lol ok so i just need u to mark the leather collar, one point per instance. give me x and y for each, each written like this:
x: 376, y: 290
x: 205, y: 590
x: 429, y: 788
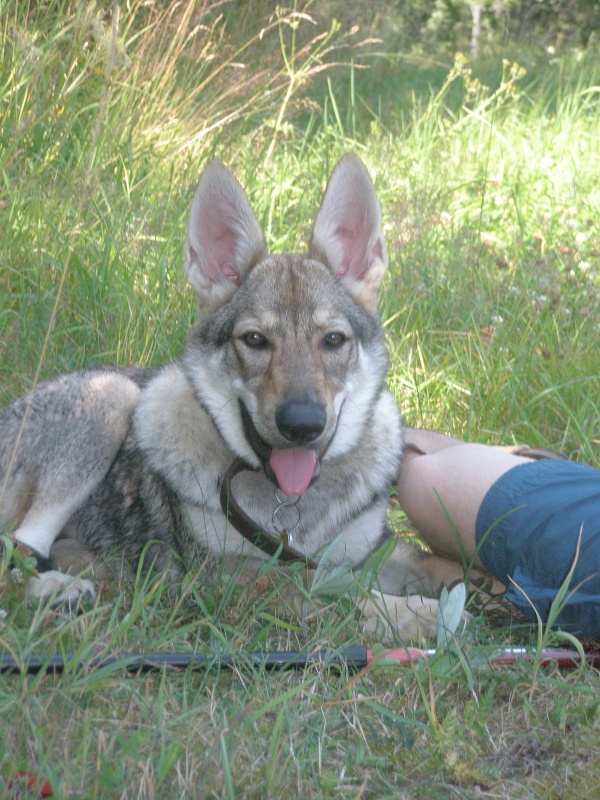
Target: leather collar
x: 270, y: 543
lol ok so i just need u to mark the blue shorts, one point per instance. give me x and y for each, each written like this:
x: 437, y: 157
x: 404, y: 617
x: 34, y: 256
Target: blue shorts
x: 528, y: 526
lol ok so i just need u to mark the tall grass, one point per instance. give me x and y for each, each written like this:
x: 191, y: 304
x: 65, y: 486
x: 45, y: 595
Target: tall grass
x: 107, y: 119
x: 496, y: 258
x: 488, y: 185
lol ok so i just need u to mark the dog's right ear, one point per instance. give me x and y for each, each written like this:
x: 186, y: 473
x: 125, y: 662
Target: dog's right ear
x: 224, y: 240
x: 348, y: 234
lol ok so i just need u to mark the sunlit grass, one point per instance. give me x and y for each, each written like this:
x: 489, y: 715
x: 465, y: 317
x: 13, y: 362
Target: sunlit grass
x: 491, y: 207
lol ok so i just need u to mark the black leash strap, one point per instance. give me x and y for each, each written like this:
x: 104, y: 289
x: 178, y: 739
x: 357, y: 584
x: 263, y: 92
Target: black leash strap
x: 354, y: 656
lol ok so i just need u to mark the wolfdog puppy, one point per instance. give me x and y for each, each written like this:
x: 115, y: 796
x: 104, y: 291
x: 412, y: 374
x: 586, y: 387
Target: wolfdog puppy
x: 284, y: 371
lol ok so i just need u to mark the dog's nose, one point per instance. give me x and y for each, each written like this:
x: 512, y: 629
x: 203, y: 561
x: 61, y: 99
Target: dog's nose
x: 301, y: 421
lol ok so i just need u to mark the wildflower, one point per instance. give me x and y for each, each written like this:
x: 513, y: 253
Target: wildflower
x: 16, y: 575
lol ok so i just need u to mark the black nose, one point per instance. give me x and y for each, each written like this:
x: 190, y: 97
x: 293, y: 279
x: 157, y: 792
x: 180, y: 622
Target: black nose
x: 301, y: 421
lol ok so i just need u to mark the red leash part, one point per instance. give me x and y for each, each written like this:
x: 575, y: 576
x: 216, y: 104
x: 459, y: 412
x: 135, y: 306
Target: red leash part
x: 404, y: 656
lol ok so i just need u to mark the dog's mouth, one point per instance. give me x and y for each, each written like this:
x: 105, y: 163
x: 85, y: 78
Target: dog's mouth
x: 292, y: 469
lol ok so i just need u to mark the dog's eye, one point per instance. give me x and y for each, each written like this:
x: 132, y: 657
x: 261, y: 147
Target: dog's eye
x: 254, y: 339
x: 334, y: 340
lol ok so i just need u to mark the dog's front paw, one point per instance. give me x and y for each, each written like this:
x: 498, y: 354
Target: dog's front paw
x: 390, y: 618
x: 60, y: 589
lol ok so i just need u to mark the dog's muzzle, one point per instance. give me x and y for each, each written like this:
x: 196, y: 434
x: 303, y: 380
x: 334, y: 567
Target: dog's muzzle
x: 292, y: 469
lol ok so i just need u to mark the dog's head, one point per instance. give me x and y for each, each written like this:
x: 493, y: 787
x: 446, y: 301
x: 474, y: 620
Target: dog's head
x: 289, y: 357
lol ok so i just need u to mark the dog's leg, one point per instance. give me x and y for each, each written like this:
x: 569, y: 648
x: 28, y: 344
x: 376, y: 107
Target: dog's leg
x: 44, y: 521
x: 37, y: 533
x: 58, y: 444
x: 412, y: 571
x: 391, y: 619
x: 388, y: 618
x: 419, y: 571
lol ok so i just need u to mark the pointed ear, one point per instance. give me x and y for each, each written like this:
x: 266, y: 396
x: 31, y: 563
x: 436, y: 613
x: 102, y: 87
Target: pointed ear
x: 224, y: 240
x: 347, y: 234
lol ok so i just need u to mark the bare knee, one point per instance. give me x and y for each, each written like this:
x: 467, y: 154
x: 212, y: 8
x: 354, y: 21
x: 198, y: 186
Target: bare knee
x: 440, y: 503
x: 442, y: 491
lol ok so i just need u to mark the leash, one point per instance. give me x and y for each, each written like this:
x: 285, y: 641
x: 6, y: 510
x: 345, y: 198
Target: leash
x: 270, y: 543
x: 354, y: 658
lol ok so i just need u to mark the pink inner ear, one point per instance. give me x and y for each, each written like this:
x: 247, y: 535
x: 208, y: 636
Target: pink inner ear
x: 215, y: 270
x: 355, y: 260
x: 219, y: 241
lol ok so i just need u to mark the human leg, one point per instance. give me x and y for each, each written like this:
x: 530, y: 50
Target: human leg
x: 442, y: 485
x: 529, y: 521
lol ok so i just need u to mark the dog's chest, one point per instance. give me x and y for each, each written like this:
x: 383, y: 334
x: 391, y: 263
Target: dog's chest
x: 261, y: 501
x: 309, y: 523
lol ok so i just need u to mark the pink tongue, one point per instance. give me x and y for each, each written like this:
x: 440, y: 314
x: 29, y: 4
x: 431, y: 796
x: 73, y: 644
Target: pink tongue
x: 293, y: 469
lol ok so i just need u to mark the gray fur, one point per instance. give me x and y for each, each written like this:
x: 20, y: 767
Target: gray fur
x: 132, y: 460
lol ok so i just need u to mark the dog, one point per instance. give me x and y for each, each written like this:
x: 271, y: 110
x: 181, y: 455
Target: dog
x: 284, y: 371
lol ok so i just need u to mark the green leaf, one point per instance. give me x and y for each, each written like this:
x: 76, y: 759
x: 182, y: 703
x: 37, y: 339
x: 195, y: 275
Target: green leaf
x: 452, y: 605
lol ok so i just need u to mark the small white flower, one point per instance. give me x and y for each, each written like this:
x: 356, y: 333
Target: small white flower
x: 584, y: 265
x: 16, y: 575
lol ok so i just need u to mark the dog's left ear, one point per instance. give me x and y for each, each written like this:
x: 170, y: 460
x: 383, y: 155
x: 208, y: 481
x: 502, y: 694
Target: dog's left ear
x: 347, y: 234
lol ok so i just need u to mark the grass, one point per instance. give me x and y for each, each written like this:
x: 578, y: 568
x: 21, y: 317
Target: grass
x: 491, y: 205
